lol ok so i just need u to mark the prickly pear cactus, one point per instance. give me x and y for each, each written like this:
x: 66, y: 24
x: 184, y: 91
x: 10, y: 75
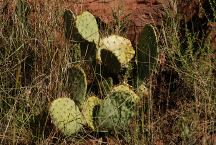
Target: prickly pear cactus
x: 117, y: 109
x: 115, y: 52
x: 87, y: 27
x: 69, y: 20
x: 66, y: 116
x: 88, y: 110
x: 76, y: 84
x: 147, y: 52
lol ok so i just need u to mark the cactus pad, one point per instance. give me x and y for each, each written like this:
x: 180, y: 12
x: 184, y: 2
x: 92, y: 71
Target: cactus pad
x: 117, y: 109
x: 147, y: 52
x: 116, y: 51
x: 68, y: 23
x: 66, y: 116
x: 88, y: 110
x: 76, y: 84
x: 87, y: 27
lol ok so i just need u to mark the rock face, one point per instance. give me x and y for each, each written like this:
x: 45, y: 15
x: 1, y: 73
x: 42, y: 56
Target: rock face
x: 136, y: 12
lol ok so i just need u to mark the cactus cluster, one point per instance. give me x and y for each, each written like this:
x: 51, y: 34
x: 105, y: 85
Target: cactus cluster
x: 110, y: 50
x: 70, y: 115
x: 115, y: 111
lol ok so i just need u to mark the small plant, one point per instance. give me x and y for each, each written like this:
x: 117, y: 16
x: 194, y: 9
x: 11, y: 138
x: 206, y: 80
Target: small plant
x: 22, y: 10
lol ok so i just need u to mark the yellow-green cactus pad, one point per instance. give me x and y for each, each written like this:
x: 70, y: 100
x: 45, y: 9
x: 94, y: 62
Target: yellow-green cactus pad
x: 125, y: 89
x: 66, y: 116
x: 88, y: 110
x: 120, y: 47
x: 115, y: 52
x: 87, y: 27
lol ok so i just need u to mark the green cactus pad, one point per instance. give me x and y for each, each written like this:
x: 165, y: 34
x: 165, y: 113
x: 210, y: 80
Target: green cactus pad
x: 147, y: 52
x: 115, y: 51
x: 88, y: 110
x: 117, y: 109
x: 87, y: 27
x: 69, y: 19
x: 66, y: 116
x: 76, y: 84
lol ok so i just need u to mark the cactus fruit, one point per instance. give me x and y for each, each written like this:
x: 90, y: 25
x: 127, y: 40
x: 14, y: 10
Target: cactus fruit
x: 66, y: 116
x: 147, y: 52
x: 117, y: 109
x: 115, y: 51
x: 88, y: 110
x: 76, y: 84
x: 69, y: 19
x: 87, y: 27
